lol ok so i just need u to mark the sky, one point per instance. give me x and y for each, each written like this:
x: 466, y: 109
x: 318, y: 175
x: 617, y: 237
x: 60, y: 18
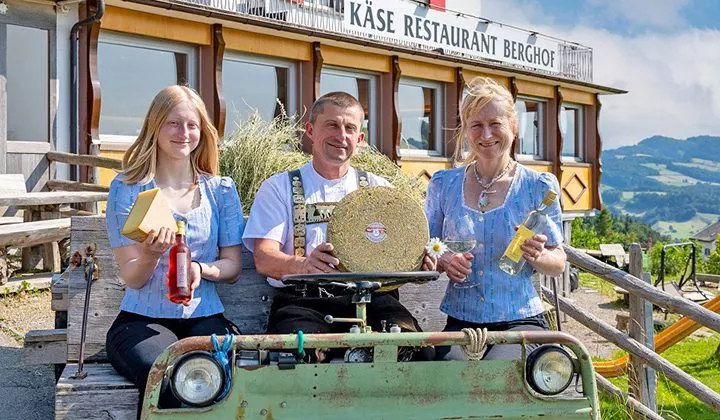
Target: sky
x: 666, y: 53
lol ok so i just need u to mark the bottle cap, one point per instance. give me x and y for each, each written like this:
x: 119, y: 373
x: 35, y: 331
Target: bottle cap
x: 180, y: 227
x: 550, y: 196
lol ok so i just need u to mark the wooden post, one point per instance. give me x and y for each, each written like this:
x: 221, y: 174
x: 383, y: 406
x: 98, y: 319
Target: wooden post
x: 650, y: 343
x: 637, y: 375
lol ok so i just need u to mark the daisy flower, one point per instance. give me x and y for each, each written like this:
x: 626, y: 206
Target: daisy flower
x: 435, y: 248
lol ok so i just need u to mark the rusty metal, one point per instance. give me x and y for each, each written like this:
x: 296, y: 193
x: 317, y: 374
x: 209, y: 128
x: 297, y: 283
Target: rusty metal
x: 91, y: 273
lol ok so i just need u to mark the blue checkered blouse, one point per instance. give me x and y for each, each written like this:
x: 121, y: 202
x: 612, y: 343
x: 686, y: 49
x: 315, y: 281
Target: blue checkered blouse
x: 499, y: 296
x: 217, y: 222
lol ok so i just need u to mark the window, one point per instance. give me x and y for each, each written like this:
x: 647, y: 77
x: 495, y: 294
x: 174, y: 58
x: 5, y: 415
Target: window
x: 28, y: 84
x: 531, y: 128
x: 571, y: 127
x: 420, y: 105
x: 706, y: 252
x: 132, y: 71
x: 360, y: 85
x: 253, y: 82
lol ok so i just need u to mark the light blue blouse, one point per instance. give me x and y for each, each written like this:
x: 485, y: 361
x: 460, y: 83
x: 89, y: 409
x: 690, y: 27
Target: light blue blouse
x: 498, y: 296
x: 217, y: 222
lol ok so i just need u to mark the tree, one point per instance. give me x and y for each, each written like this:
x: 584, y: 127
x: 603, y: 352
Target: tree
x: 604, y: 222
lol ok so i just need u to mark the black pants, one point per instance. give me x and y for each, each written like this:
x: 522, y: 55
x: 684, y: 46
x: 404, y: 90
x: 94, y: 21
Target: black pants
x: 493, y: 352
x: 135, y: 341
x: 290, y: 313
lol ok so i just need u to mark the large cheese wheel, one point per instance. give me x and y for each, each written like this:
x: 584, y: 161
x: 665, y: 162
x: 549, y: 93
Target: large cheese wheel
x: 378, y: 229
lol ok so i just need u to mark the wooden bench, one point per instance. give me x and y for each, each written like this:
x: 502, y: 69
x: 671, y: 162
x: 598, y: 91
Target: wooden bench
x: 104, y: 393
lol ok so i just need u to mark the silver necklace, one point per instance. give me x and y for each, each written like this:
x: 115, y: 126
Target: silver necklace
x: 484, y: 199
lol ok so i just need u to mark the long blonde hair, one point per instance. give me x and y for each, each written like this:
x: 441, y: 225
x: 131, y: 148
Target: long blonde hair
x: 140, y: 160
x: 482, y: 91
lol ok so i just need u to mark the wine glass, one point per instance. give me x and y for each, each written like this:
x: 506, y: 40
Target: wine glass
x: 459, y: 237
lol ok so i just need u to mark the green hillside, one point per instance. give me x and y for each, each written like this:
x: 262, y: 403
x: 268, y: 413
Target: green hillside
x: 671, y: 184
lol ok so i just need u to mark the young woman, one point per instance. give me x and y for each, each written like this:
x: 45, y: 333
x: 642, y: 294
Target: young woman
x: 495, y: 193
x: 176, y: 151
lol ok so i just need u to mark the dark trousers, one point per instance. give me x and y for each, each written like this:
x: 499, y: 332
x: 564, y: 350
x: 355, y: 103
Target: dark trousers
x: 135, y: 341
x: 496, y: 351
x: 290, y: 313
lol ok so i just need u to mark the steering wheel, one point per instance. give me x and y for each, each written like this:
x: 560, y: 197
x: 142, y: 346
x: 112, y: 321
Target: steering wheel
x: 354, y: 282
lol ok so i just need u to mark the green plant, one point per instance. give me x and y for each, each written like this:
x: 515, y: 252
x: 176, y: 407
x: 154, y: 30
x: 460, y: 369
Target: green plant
x: 259, y: 149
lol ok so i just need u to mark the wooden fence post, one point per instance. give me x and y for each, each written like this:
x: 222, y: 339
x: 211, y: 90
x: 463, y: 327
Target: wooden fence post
x: 637, y: 375
x: 650, y: 343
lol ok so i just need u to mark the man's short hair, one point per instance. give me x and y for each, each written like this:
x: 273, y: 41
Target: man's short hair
x: 339, y: 99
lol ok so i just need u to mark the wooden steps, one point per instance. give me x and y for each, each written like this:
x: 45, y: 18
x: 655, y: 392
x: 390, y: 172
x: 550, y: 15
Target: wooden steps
x: 103, y: 394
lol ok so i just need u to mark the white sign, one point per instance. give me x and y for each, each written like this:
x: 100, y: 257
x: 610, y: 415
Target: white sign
x: 407, y: 21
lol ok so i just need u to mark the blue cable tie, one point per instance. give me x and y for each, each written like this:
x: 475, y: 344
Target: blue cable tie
x: 301, y: 342
x: 220, y: 354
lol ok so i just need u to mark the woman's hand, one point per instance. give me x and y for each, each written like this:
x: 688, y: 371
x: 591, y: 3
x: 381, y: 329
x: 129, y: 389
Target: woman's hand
x: 194, y: 278
x: 430, y: 263
x: 533, y: 248
x: 157, y: 243
x: 457, y: 266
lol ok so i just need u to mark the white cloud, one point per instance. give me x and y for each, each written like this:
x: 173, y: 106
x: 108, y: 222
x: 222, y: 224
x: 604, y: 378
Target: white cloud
x: 671, y: 77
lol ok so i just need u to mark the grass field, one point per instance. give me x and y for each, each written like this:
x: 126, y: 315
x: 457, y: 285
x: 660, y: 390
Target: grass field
x: 672, y: 178
x: 684, y: 230
x: 696, y: 356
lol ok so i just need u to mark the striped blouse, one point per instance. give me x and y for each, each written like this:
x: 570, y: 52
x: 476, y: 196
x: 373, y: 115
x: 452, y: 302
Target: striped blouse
x: 498, y: 296
x: 217, y: 222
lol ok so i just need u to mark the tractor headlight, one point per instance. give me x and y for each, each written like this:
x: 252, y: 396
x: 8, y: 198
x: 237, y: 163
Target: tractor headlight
x: 549, y: 369
x: 197, y: 379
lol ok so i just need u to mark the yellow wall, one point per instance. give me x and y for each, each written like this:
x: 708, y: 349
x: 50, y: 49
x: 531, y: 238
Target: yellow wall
x: 355, y: 59
x: 574, y: 178
x: 468, y: 75
x: 576, y: 96
x: 422, y: 70
x: 156, y: 26
x: 423, y: 170
x: 256, y: 43
x: 538, y: 167
x: 526, y: 87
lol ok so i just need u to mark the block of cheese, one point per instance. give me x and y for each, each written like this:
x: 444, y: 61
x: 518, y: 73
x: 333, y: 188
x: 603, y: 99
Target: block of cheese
x: 150, y: 211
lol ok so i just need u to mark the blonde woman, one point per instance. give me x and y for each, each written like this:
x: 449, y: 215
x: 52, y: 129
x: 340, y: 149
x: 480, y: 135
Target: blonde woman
x: 496, y: 193
x: 176, y: 151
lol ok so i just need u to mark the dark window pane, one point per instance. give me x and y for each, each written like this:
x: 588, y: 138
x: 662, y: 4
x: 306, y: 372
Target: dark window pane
x: 530, y: 127
x: 27, y: 84
x: 569, y: 130
x: 125, y: 103
x: 418, y: 117
x: 248, y: 86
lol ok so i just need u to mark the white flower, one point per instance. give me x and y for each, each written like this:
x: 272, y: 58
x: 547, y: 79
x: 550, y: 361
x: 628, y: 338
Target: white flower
x: 435, y: 248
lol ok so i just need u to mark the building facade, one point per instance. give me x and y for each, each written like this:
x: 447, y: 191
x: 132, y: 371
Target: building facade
x: 408, y: 63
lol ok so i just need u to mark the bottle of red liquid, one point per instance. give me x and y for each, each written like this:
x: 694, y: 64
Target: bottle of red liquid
x: 179, y: 266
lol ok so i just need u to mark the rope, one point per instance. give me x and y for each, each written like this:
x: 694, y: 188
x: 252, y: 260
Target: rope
x: 220, y: 353
x: 477, y: 337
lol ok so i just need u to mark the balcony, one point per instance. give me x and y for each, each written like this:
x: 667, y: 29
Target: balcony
x: 418, y: 28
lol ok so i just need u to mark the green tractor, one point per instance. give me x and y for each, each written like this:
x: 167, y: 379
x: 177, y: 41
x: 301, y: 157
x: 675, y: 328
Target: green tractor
x: 265, y: 377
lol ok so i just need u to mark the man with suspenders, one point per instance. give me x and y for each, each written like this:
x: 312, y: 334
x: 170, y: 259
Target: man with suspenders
x: 286, y: 229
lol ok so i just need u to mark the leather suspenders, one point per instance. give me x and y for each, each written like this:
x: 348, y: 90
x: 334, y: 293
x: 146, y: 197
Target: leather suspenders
x: 304, y: 214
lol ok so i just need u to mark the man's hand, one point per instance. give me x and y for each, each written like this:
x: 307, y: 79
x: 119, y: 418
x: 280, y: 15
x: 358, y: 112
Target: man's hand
x: 457, y: 266
x: 321, y: 260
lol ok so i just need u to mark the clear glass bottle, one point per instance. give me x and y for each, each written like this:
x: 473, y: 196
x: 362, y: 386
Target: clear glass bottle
x: 178, y: 281
x: 535, y: 223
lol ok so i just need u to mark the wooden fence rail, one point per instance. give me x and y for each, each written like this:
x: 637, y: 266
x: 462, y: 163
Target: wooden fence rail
x: 86, y: 160
x: 641, y: 398
x: 635, y: 286
x: 617, y: 337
